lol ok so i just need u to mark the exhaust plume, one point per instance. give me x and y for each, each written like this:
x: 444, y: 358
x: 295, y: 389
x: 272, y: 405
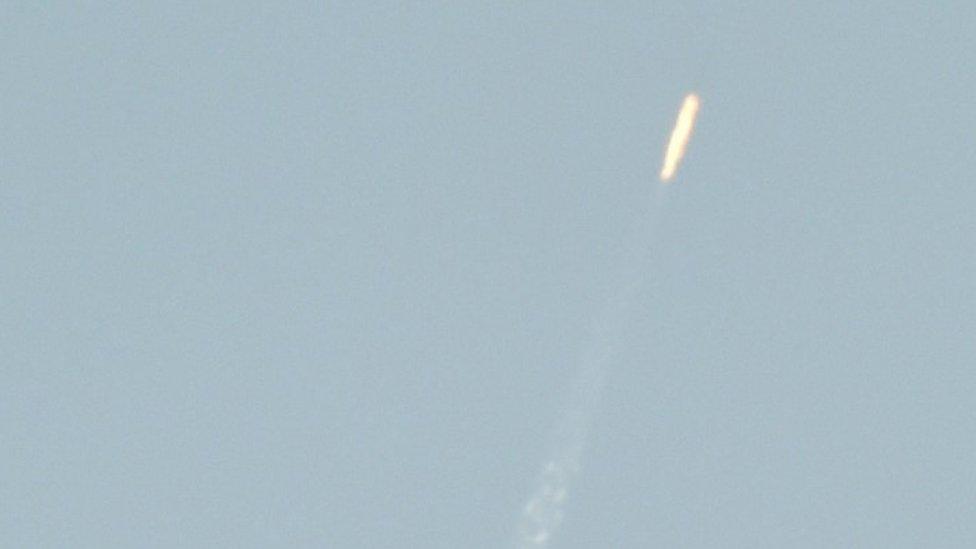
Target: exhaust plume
x: 543, y: 512
x: 680, y: 136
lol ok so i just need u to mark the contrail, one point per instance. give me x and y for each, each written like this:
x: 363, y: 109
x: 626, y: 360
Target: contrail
x: 680, y: 136
x: 543, y: 512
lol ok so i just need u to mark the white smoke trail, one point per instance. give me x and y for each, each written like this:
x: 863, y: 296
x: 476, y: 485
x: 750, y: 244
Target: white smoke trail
x: 543, y: 512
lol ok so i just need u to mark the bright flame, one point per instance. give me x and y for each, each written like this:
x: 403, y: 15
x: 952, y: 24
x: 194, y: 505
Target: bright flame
x: 680, y: 136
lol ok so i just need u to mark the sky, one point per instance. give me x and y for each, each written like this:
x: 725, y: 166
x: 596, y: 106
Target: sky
x: 304, y: 274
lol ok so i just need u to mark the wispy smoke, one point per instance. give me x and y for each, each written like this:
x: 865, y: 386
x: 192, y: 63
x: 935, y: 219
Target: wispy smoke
x: 543, y: 512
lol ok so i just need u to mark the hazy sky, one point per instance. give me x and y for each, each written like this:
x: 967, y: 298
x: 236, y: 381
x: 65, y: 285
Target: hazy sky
x: 284, y: 275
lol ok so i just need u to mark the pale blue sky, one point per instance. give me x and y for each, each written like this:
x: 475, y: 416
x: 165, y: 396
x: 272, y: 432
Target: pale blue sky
x: 280, y: 275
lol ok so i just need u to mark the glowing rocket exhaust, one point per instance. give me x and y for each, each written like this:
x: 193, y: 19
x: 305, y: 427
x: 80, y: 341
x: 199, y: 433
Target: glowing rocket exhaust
x: 680, y: 136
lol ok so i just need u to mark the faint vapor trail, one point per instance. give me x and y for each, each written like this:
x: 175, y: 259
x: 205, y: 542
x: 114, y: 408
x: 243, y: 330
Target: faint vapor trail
x: 543, y: 512
x: 680, y: 136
